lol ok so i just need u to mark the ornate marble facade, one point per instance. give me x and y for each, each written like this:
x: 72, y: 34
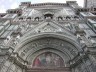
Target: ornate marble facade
x: 48, y: 37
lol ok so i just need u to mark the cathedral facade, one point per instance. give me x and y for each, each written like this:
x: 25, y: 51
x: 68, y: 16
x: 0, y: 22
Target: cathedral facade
x: 48, y: 37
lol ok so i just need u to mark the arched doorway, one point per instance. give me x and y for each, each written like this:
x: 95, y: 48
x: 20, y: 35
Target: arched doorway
x: 47, y: 46
x: 48, y: 62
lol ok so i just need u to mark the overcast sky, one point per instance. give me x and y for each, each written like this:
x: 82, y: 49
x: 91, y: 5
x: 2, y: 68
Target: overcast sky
x: 11, y: 4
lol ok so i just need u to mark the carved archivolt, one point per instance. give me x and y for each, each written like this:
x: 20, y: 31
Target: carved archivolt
x: 63, y: 48
x: 35, y: 45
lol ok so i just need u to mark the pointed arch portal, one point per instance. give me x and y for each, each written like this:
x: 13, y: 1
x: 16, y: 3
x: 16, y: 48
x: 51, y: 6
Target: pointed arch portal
x: 40, y: 49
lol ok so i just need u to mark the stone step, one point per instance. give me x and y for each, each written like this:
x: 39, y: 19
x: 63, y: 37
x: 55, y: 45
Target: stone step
x: 48, y: 70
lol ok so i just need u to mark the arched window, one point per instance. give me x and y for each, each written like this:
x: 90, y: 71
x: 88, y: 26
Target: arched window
x: 68, y: 17
x: 76, y: 17
x: 29, y: 18
x: 36, y: 18
x: 60, y: 18
x: 48, y: 16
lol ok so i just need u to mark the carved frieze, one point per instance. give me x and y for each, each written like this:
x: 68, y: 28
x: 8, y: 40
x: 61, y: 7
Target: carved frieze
x: 49, y: 42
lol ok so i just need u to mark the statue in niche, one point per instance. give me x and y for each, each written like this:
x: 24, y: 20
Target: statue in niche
x: 37, y: 62
x: 48, y: 59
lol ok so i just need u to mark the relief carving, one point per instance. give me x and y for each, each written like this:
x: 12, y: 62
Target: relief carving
x: 48, y: 28
x: 51, y: 42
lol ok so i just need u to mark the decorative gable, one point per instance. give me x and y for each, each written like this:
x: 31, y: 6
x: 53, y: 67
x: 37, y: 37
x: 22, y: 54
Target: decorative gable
x: 48, y: 27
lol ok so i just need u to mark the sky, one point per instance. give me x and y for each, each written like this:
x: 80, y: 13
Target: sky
x: 11, y: 4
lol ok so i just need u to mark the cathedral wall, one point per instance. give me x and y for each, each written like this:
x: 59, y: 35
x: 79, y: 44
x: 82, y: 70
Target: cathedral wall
x: 66, y: 32
x: 86, y: 65
x: 8, y: 66
x: 2, y: 60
